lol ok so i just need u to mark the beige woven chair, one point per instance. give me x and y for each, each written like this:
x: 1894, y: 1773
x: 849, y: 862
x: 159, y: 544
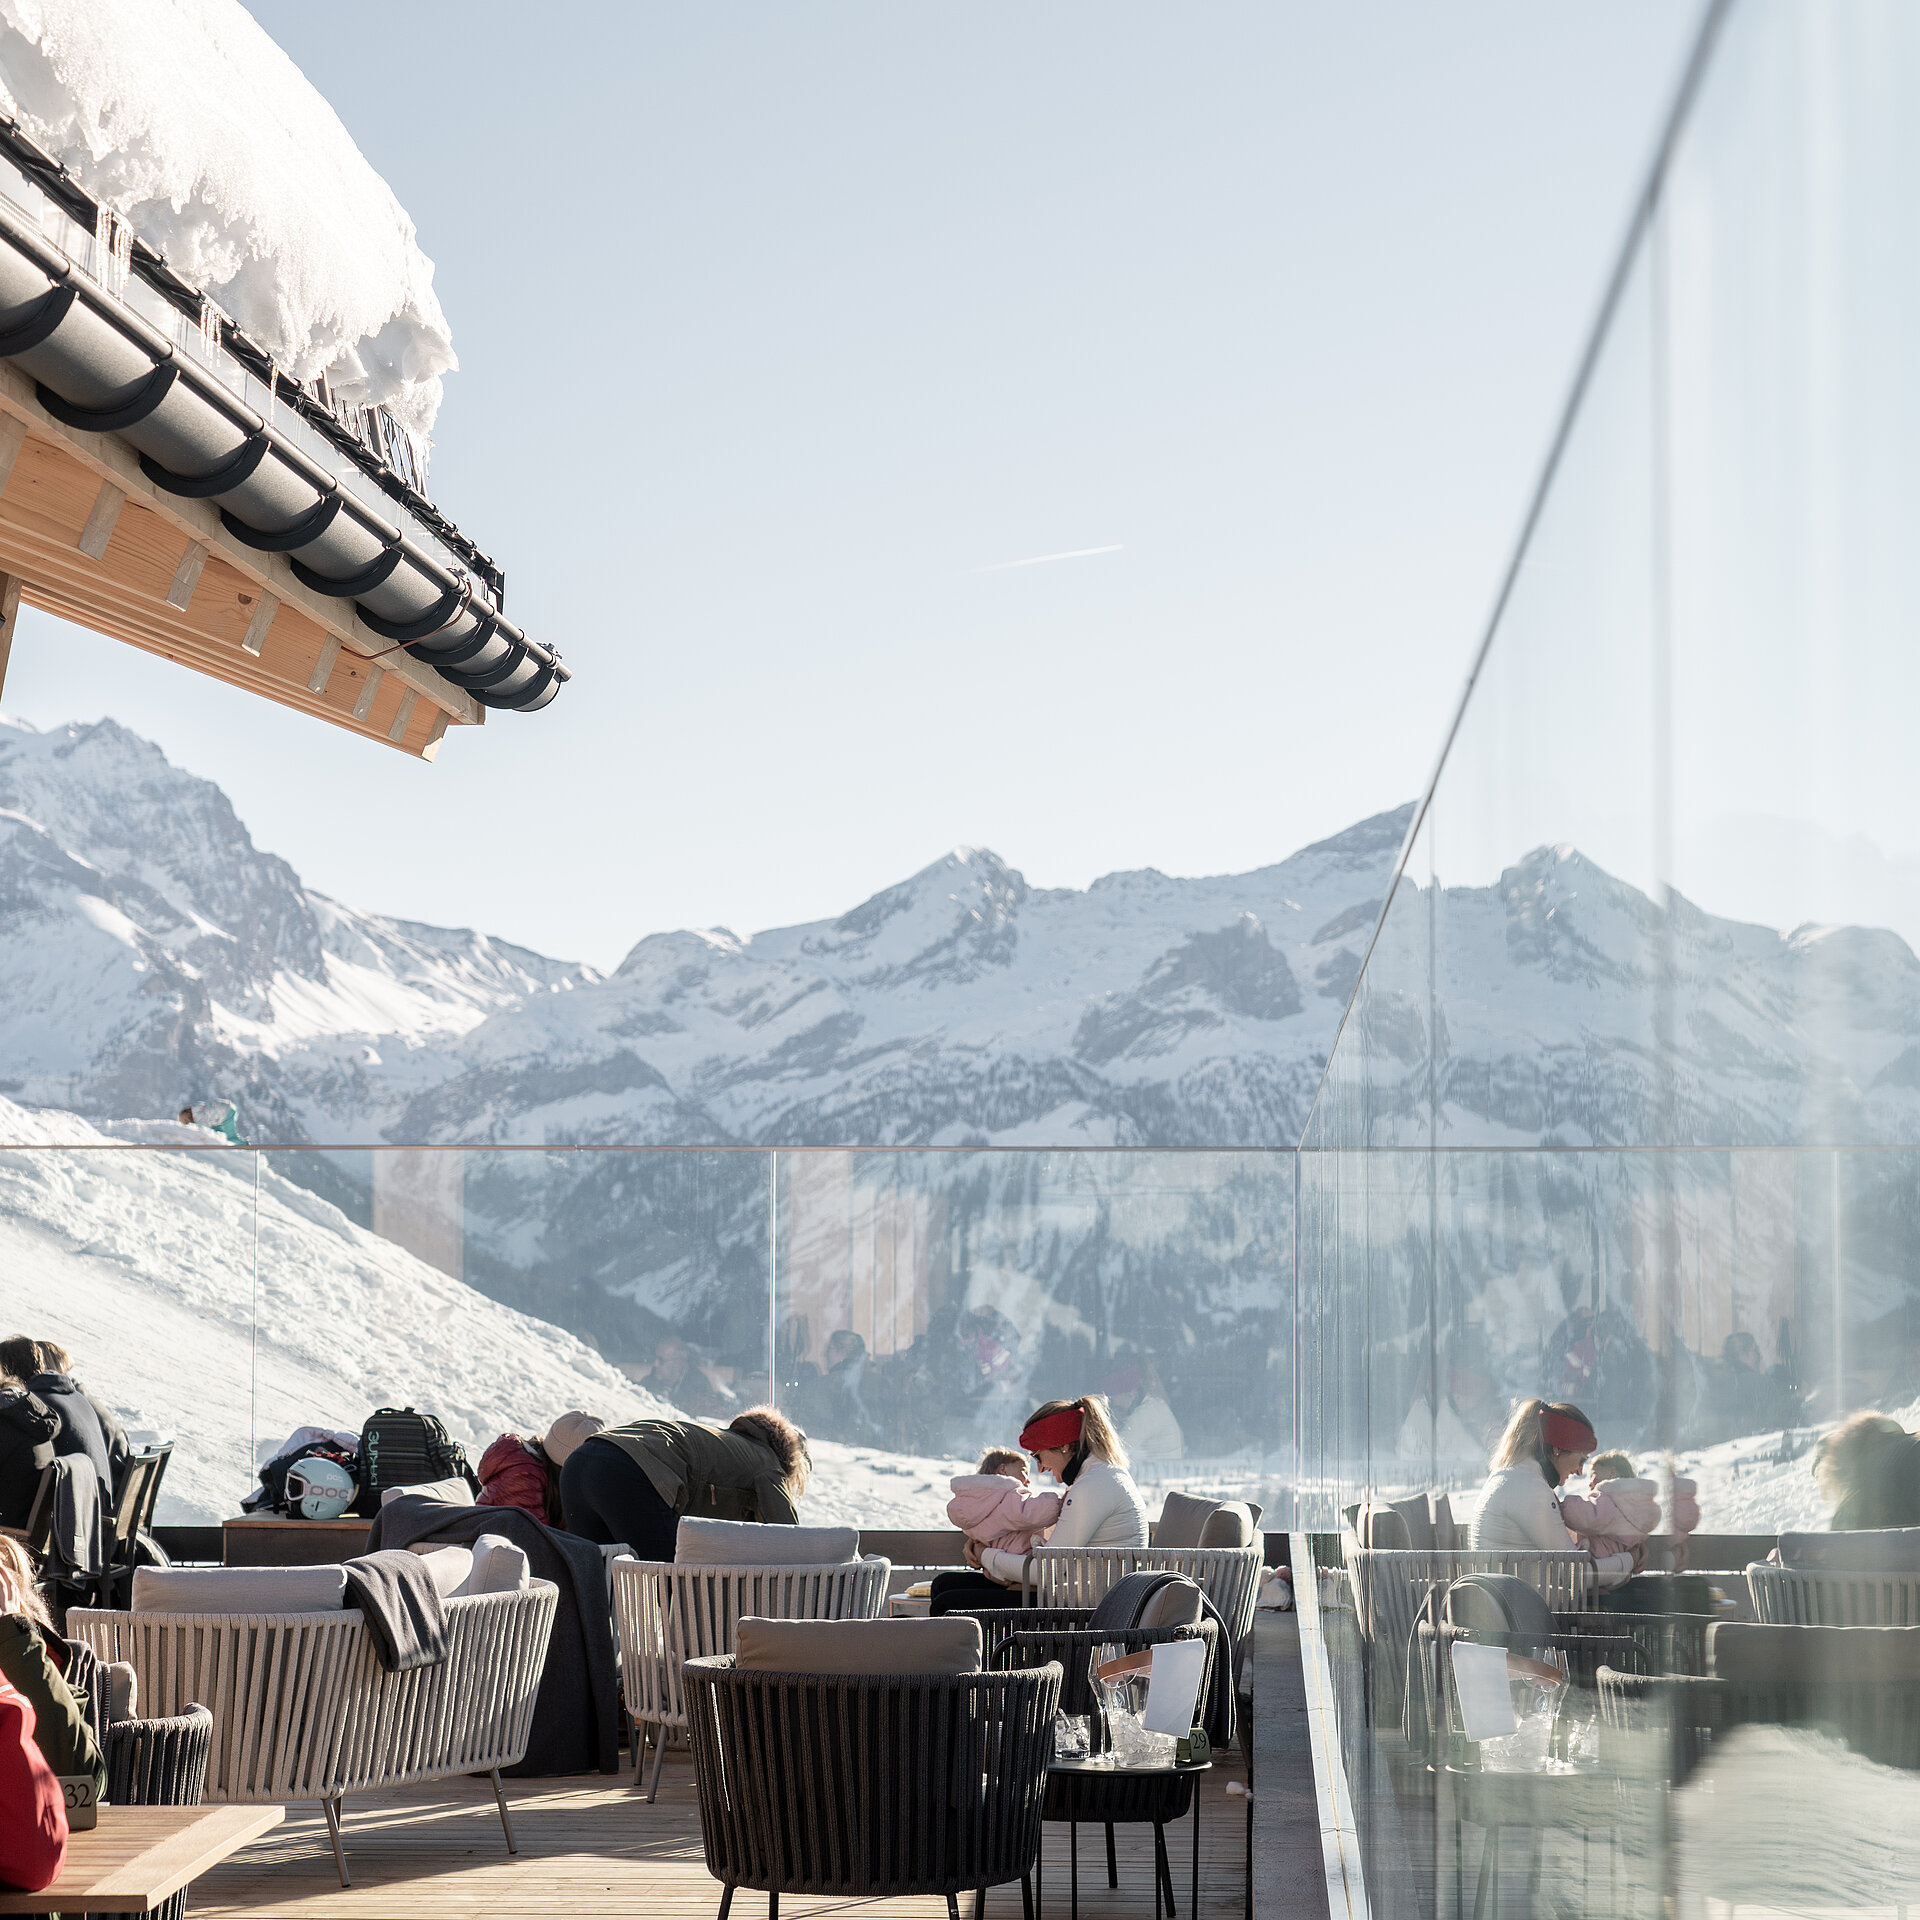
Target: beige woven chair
x: 1080, y: 1576
x: 666, y: 1614
x: 303, y: 1710
x: 1824, y: 1597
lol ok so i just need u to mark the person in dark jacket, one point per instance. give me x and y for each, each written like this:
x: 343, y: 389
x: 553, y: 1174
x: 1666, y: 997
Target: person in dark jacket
x: 85, y: 1426
x: 27, y: 1430
x: 55, y: 1359
x: 635, y: 1483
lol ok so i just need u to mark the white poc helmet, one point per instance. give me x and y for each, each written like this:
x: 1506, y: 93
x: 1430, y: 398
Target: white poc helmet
x: 319, y: 1488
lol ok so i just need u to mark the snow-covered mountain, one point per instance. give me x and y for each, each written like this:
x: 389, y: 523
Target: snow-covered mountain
x: 154, y: 956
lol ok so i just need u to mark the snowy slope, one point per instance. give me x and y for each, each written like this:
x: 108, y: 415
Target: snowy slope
x: 144, y: 1266
x: 150, y: 1268
x: 184, y: 116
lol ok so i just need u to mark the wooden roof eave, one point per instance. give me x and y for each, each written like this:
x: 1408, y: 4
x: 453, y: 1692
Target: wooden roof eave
x: 91, y: 539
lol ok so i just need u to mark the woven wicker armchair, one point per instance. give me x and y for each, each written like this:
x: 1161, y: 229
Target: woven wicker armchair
x: 1827, y: 1597
x: 870, y: 1786
x: 159, y: 1763
x: 1079, y: 1576
x: 666, y: 1614
x: 303, y: 1710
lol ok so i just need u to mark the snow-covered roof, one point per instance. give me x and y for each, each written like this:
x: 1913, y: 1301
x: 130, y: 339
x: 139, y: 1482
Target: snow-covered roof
x: 277, y: 535
x: 186, y: 119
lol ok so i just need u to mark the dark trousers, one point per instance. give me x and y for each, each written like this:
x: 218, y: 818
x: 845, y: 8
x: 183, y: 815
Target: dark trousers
x: 968, y: 1587
x: 607, y: 1497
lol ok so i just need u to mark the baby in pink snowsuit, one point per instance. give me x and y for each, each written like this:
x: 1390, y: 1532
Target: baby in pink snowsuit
x: 993, y: 1508
x: 1623, y: 1511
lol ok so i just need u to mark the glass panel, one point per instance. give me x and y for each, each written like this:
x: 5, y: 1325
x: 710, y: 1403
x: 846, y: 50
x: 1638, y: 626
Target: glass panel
x: 139, y: 1264
x: 926, y: 1303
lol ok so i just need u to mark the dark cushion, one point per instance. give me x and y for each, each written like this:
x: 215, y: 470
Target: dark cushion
x: 1418, y: 1515
x: 1381, y: 1527
x: 951, y: 1644
x: 1228, y: 1525
x: 1878, y: 1550
x: 1181, y: 1520
x: 1794, y: 1656
x: 1174, y: 1603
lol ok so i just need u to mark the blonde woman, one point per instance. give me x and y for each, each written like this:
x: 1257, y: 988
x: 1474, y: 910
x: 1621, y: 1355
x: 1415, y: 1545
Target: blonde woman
x: 1546, y: 1442
x: 32, y: 1659
x: 1073, y: 1440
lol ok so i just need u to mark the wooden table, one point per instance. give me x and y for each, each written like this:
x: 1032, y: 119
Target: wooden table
x: 138, y: 1856
x: 291, y: 1543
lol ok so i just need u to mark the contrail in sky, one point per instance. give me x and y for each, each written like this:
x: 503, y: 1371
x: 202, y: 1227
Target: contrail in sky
x: 1042, y: 559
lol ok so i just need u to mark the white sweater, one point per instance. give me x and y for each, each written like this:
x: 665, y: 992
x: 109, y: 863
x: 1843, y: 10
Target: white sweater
x: 1518, y: 1514
x: 1103, y: 1508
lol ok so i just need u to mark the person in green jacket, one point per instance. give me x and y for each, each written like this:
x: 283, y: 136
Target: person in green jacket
x: 31, y: 1657
x: 635, y: 1483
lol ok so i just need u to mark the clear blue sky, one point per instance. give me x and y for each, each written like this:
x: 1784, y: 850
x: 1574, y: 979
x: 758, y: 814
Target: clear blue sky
x: 782, y: 328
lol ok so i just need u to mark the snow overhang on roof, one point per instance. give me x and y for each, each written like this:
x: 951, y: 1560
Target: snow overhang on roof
x: 162, y: 482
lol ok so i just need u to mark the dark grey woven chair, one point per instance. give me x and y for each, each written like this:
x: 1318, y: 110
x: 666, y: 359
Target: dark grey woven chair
x: 160, y: 1763
x: 1032, y: 1636
x: 868, y: 1786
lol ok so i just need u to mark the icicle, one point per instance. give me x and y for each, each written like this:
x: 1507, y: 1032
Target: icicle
x: 209, y: 330
x: 112, y: 250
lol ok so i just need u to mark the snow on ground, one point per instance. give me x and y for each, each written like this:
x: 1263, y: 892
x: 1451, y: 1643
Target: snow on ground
x: 186, y: 117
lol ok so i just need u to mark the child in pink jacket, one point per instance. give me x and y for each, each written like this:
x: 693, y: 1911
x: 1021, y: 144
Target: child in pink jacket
x: 1623, y: 1511
x: 993, y: 1507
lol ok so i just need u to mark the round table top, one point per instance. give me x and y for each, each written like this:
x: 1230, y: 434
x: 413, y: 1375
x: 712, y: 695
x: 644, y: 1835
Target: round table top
x: 1099, y: 1766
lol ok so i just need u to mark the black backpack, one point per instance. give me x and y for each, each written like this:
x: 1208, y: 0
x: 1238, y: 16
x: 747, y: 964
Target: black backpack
x: 401, y: 1447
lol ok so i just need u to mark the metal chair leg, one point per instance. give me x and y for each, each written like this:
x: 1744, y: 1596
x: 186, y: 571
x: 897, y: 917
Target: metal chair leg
x: 331, y: 1808
x: 500, y: 1800
x: 1073, y: 1865
x: 1113, y: 1866
x: 979, y: 1903
x: 1026, y: 1898
x: 726, y: 1900
x: 773, y: 1904
x: 659, y: 1761
x: 953, y: 1906
x: 1193, y: 1906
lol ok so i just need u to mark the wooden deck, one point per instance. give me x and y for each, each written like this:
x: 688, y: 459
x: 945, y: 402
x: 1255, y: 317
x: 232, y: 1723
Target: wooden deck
x: 592, y: 1845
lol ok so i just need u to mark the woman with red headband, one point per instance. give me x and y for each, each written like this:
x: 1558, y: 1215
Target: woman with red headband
x: 1074, y: 1441
x: 1546, y: 1442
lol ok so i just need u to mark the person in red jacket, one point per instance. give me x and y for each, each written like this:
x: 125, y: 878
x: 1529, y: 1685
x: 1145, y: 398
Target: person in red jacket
x: 33, y: 1810
x: 526, y: 1473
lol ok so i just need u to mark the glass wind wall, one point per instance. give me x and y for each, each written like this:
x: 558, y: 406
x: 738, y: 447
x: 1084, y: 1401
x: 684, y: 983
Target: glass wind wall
x: 908, y: 1309
x: 1625, y: 1111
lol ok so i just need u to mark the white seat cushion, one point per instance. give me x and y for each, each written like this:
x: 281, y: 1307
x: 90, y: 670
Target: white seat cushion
x: 455, y: 1492
x: 742, y: 1543
x: 450, y: 1567
x: 239, y: 1589
x: 499, y: 1566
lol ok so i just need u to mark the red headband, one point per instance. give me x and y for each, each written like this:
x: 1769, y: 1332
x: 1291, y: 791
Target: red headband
x: 1060, y: 1429
x: 1564, y: 1434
